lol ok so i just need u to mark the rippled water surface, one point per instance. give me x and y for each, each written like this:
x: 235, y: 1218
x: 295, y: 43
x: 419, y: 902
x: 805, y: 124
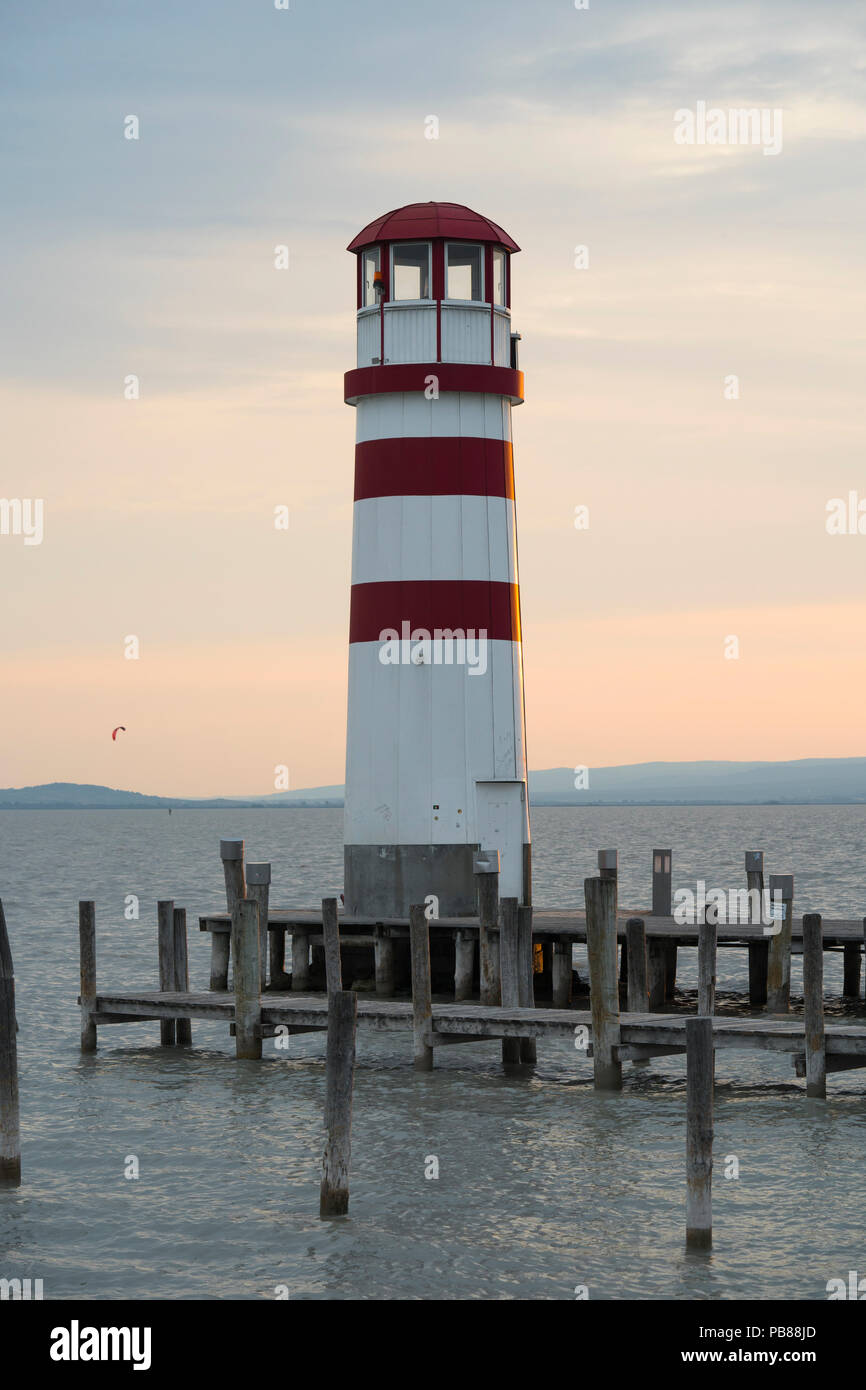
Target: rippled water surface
x: 543, y: 1185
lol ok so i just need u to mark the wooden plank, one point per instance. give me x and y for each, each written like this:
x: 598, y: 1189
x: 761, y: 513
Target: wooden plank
x: 248, y: 1005
x: 87, y: 958
x: 699, y: 1133
x: 10, y: 1118
x: 604, y: 988
x: 339, y: 1084
x: 331, y: 934
x: 422, y: 1007
x: 813, y: 992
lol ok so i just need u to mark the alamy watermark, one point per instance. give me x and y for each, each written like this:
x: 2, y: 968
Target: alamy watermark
x: 729, y: 905
x: 444, y: 646
x: 736, y: 126
x: 22, y: 516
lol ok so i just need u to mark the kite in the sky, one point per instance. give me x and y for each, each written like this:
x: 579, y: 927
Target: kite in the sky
x: 120, y: 728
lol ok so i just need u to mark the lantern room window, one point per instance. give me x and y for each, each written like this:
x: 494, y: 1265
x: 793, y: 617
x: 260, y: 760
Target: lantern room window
x: 410, y: 274
x: 464, y: 271
x: 499, y: 278
x: 371, y: 262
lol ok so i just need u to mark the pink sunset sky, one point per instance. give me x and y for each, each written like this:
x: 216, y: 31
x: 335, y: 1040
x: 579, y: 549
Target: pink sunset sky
x: 155, y: 258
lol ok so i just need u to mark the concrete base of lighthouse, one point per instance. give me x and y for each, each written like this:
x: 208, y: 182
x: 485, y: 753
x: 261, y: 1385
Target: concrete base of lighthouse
x: 385, y: 880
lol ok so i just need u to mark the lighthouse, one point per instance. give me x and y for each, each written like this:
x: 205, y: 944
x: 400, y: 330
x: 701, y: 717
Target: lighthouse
x: 435, y: 752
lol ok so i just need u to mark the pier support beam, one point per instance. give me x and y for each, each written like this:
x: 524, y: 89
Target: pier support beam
x: 779, y: 966
x: 637, y: 999
x: 707, y: 944
x: 300, y: 960
x: 183, y: 1026
x: 758, y: 950
x: 422, y: 1004
x: 248, y: 1000
x: 10, y: 1125
x: 656, y: 972
x: 383, y: 951
x: 87, y: 992
x: 331, y: 935
x: 851, y: 970
x: 509, y: 962
x: 528, y: 1049
x: 604, y: 988
x: 464, y: 964
x: 259, y: 889
x: 813, y: 992
x: 486, y: 868
x: 699, y: 1133
x: 165, y: 935
x: 339, y: 1084
x: 232, y: 856
x: 562, y: 957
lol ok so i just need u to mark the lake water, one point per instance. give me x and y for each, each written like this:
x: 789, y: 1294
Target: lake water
x: 543, y: 1184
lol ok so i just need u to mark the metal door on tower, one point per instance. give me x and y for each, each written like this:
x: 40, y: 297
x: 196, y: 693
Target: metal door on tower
x: 501, y: 821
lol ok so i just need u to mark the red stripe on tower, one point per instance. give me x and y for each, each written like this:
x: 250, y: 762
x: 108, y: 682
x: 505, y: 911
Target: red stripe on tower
x: 434, y: 468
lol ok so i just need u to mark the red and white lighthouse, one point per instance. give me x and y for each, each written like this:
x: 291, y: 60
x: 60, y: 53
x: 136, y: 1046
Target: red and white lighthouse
x: 435, y: 758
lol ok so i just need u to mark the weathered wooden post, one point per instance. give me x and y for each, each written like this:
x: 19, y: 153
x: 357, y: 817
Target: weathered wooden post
x: 607, y: 864
x: 384, y: 957
x: 707, y: 944
x: 183, y: 1026
x: 813, y: 992
x: 259, y: 889
x: 10, y: 1123
x: 232, y: 856
x: 165, y: 939
x: 608, y: 867
x: 604, y: 988
x: 300, y: 959
x: 661, y: 907
x: 657, y: 965
x: 699, y: 1133
x: 339, y: 1082
x: 331, y: 935
x: 779, y: 965
x: 637, y: 1001
x: 528, y: 1049
x: 509, y: 961
x: 661, y: 900
x: 562, y: 967
x: 758, y: 950
x: 246, y: 976
x: 486, y: 867
x: 851, y: 970
x: 422, y: 1005
x: 87, y: 992
x: 464, y: 964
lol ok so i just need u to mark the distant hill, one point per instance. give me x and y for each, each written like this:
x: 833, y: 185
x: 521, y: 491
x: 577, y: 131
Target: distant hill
x: 840, y: 781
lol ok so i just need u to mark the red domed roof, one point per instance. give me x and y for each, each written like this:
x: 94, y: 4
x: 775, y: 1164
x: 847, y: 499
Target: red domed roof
x: 424, y: 220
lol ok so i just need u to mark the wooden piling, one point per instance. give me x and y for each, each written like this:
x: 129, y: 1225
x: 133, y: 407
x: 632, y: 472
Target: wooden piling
x: 10, y: 1122
x: 87, y: 955
x: 758, y: 950
x: 699, y: 1133
x: 528, y: 1049
x: 637, y: 998
x: 246, y: 977
x: 657, y: 964
x: 562, y: 967
x: 851, y: 970
x: 384, y: 957
x: 339, y: 1083
x: 259, y: 889
x: 707, y: 945
x: 300, y: 959
x: 607, y: 864
x: 165, y: 939
x: 509, y: 960
x: 661, y: 893
x: 232, y: 856
x: 779, y: 964
x: 183, y: 1026
x: 464, y: 964
x: 486, y: 867
x: 331, y: 936
x: 604, y: 989
x: 422, y: 1004
x: 813, y: 992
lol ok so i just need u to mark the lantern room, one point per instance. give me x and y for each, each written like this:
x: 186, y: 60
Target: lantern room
x: 434, y: 285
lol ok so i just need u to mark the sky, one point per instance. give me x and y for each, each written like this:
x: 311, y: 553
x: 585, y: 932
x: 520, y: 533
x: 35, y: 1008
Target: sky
x: 707, y: 498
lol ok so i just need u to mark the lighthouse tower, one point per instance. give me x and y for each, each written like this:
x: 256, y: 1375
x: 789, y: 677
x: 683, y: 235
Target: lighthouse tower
x: 435, y: 758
